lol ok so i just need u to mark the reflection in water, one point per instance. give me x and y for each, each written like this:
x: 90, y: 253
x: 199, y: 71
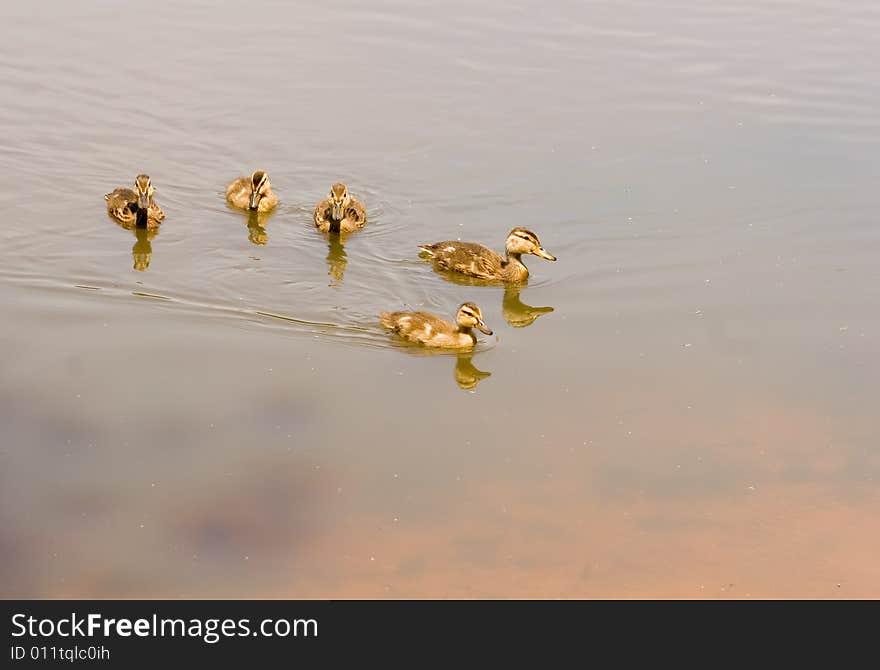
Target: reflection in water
x: 466, y: 375
x: 257, y: 227
x: 142, y: 251
x: 336, y: 257
x: 517, y: 313
x: 463, y: 279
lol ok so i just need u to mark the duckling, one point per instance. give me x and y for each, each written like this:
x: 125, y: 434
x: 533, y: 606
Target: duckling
x: 339, y: 212
x: 253, y: 193
x: 432, y: 331
x: 136, y: 206
x: 476, y: 260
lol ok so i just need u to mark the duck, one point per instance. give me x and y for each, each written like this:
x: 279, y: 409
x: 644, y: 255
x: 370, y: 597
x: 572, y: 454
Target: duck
x: 135, y: 206
x: 475, y: 260
x: 337, y: 259
x: 252, y: 193
x: 432, y: 331
x: 339, y: 212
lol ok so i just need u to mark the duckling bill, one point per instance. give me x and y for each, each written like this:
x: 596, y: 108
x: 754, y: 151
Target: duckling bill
x: 475, y: 260
x: 135, y: 206
x: 432, y: 331
x: 340, y: 212
x: 252, y: 193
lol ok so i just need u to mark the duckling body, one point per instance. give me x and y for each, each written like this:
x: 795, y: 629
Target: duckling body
x: 476, y: 260
x: 135, y: 207
x: 339, y: 212
x: 252, y: 193
x: 467, y: 375
x: 432, y: 331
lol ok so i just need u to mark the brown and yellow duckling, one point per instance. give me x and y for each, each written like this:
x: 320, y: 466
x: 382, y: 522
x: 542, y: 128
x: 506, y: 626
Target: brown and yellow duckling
x: 252, y: 193
x: 135, y: 207
x: 339, y: 212
x: 476, y: 260
x: 432, y: 331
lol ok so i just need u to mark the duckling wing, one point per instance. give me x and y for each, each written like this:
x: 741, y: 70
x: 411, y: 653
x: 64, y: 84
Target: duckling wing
x: 466, y: 257
x: 238, y: 192
x: 122, y: 204
x: 121, y: 197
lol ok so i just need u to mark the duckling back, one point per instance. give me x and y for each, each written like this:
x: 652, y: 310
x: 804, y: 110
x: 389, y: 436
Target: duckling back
x: 239, y: 192
x: 122, y: 205
x: 354, y: 218
x: 468, y: 258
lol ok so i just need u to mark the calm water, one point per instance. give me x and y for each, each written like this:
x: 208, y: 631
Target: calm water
x: 684, y: 405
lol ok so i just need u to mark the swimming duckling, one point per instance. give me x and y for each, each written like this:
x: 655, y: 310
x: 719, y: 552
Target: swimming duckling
x: 476, y: 260
x: 253, y: 193
x: 339, y: 212
x: 432, y: 331
x: 136, y: 206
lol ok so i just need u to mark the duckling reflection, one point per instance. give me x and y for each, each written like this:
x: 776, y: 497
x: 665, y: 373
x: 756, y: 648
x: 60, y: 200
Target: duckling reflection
x: 337, y: 259
x: 516, y: 312
x: 467, y: 376
x: 475, y: 260
x: 142, y: 251
x: 256, y: 224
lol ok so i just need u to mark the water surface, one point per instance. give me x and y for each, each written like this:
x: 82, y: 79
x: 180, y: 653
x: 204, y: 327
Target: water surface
x: 684, y: 405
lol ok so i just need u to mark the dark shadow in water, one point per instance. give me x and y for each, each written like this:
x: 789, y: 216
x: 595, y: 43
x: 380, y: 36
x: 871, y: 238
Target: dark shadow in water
x: 467, y: 376
x: 336, y: 256
x: 517, y: 313
x: 142, y: 251
x: 256, y: 224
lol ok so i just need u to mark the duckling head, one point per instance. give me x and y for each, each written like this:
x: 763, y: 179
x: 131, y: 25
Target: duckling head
x: 259, y: 188
x: 339, y: 200
x: 470, y: 316
x: 144, y: 189
x: 524, y: 241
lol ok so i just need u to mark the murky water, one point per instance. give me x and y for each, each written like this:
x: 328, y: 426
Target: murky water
x: 684, y: 405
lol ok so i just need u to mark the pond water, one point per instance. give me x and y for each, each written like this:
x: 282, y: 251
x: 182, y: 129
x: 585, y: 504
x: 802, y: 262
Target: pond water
x: 683, y: 405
